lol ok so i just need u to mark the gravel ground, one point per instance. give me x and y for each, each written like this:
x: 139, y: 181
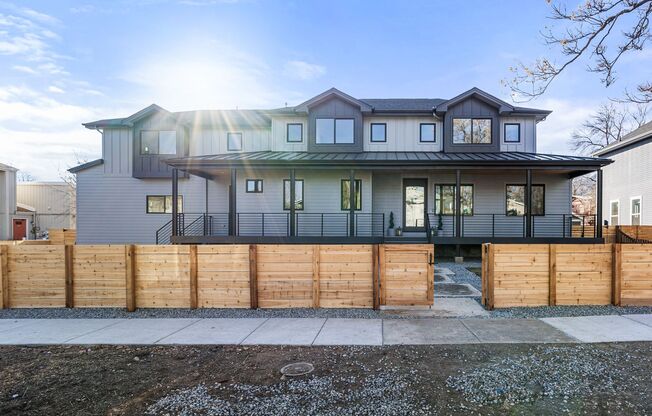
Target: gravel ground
x: 462, y: 274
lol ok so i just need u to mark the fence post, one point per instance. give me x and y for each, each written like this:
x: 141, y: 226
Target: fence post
x: 552, y: 274
x: 193, y: 276
x: 490, y: 277
x: 253, y: 275
x: 381, y: 276
x: 616, y: 273
x: 130, y: 276
x: 316, y: 250
x: 4, y: 276
x: 68, y: 255
x: 376, y: 277
x: 483, y: 275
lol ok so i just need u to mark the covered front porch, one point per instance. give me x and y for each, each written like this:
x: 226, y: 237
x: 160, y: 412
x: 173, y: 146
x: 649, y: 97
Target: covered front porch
x: 430, y: 198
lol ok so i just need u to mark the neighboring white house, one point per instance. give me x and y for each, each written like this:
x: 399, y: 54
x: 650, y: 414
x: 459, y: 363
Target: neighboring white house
x: 51, y: 204
x: 7, y: 200
x: 627, y: 190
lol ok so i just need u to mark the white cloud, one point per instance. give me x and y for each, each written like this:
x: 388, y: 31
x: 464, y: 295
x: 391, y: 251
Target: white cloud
x: 25, y: 69
x: 55, y: 89
x: 304, y: 70
x: 554, y: 134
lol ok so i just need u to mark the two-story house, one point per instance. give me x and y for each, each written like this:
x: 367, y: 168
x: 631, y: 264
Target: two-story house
x: 335, y: 168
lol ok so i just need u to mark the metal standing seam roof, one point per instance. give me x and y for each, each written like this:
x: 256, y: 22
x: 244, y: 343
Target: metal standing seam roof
x: 380, y: 158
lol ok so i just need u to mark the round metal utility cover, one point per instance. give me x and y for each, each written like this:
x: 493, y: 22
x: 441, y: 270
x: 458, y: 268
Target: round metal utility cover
x: 297, y: 369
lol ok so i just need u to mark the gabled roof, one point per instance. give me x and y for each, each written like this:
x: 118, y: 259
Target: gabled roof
x: 128, y: 121
x: 502, y: 106
x: 642, y: 133
x: 333, y: 92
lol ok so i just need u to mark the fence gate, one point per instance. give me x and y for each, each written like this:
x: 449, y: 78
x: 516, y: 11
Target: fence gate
x: 406, y: 274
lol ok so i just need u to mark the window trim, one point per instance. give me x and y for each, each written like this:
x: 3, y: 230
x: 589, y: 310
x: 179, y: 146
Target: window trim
x: 640, y: 213
x: 255, y: 191
x: 455, y: 190
x: 611, y: 216
x: 505, y: 132
x: 303, y: 192
x: 228, y: 147
x: 335, y: 130
x: 357, y: 181
x: 491, y: 131
x: 147, y: 197
x: 543, y: 185
x: 371, y: 133
x: 287, y: 133
x: 434, y: 132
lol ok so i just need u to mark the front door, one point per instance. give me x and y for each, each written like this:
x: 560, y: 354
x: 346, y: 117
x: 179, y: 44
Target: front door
x: 414, y: 204
x: 20, y: 229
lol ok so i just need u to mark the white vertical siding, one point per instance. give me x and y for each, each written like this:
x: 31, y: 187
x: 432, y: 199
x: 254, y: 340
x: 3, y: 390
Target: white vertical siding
x: 206, y: 141
x: 279, y: 141
x: 117, y: 151
x: 7, y: 202
x: 402, y: 134
x: 528, y: 135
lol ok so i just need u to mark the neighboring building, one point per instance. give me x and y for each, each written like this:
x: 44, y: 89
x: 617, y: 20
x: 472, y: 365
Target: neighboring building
x: 7, y: 200
x: 469, y: 163
x: 52, y: 205
x: 628, y: 181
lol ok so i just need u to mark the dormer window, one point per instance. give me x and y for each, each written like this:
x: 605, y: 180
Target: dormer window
x: 472, y: 130
x: 158, y: 142
x: 334, y: 131
x: 512, y: 133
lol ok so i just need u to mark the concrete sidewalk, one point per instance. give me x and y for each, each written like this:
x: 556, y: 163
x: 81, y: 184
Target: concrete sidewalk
x: 319, y: 331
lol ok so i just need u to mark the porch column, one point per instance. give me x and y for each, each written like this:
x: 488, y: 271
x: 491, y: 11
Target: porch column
x: 293, y: 225
x: 458, y: 203
x: 175, y: 202
x: 598, y: 209
x: 352, y: 203
x: 206, y: 207
x: 232, y: 203
x: 528, y: 203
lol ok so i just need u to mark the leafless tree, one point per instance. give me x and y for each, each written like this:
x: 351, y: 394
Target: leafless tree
x: 23, y: 176
x: 600, y: 31
x: 608, y: 125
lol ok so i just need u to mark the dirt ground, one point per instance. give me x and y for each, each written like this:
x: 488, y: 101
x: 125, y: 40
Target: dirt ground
x: 118, y: 380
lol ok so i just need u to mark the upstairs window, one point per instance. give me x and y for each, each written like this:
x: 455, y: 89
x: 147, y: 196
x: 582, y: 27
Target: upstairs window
x: 346, y: 194
x: 512, y: 133
x: 295, y: 133
x: 378, y: 132
x: 234, y: 141
x: 515, y: 200
x: 162, y: 204
x: 334, y: 130
x: 472, y: 130
x: 427, y: 133
x: 154, y: 142
x: 445, y: 199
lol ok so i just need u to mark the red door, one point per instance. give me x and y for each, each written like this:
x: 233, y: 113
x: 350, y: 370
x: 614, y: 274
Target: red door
x: 20, y: 229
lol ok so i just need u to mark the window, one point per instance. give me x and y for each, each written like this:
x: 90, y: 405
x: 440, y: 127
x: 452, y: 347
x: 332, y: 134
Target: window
x: 378, y: 132
x: 614, y: 213
x: 346, y: 195
x: 158, y: 142
x: 162, y: 204
x: 234, y: 141
x: 427, y: 132
x: 636, y: 210
x: 512, y: 133
x: 472, y: 130
x: 445, y: 199
x: 331, y: 130
x: 515, y: 200
x: 295, y: 133
x: 254, y: 186
x: 298, y: 194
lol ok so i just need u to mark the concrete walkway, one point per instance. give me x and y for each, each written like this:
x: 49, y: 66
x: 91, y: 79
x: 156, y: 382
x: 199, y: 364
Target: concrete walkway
x: 319, y: 331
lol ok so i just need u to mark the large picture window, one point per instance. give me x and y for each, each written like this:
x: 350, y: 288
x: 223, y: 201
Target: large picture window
x: 445, y: 199
x: 334, y: 130
x: 298, y: 194
x: 472, y: 130
x: 154, y: 142
x: 162, y: 204
x: 346, y: 194
x: 515, y: 200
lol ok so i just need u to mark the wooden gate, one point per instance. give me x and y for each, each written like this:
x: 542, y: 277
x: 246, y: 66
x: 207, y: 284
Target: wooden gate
x: 407, y: 274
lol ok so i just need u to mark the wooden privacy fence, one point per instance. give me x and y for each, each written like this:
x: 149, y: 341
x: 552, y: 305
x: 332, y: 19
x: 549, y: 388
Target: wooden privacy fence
x: 215, y: 276
x: 566, y: 274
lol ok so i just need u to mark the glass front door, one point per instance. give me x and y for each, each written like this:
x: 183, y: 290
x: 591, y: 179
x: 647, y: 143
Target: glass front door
x: 414, y: 204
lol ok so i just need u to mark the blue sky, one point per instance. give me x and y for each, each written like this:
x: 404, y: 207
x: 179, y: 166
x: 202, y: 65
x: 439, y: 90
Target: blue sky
x: 67, y: 62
